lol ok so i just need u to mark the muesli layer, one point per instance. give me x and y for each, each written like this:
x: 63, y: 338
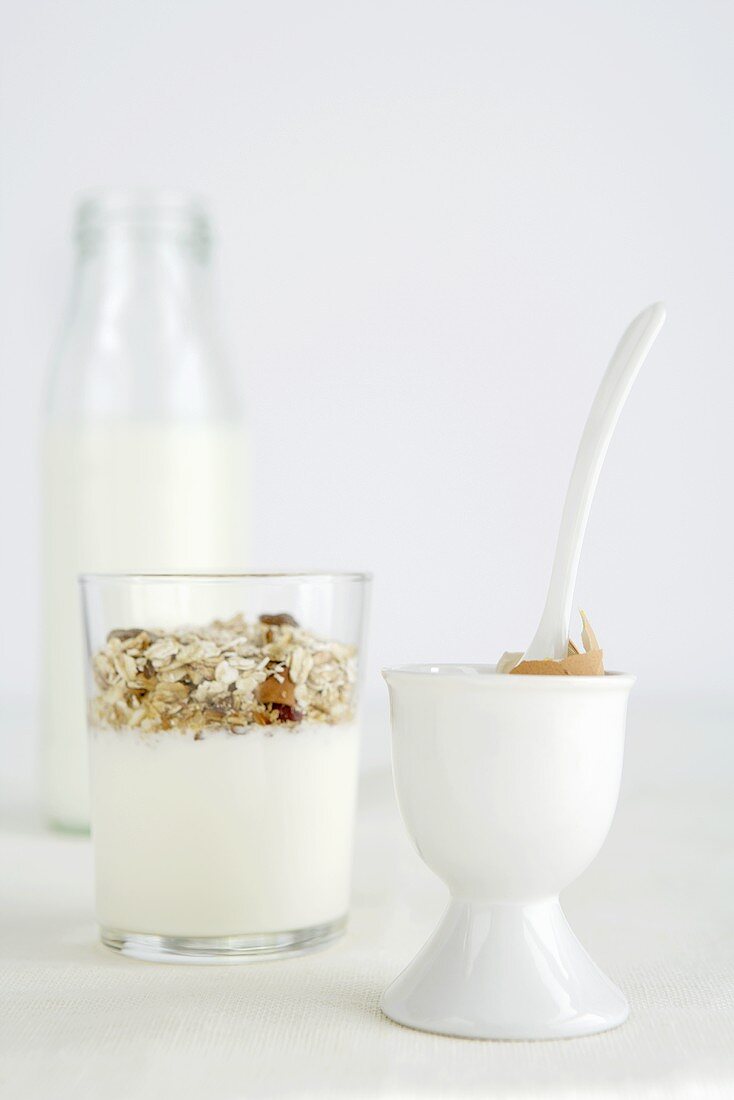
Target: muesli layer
x: 232, y: 674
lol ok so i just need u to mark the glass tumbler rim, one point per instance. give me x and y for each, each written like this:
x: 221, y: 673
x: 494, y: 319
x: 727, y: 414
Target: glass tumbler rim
x: 223, y: 577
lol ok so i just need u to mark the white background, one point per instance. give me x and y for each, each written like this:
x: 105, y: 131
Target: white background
x: 434, y: 221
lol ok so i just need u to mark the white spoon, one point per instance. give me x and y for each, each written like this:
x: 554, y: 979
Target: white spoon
x: 551, y: 638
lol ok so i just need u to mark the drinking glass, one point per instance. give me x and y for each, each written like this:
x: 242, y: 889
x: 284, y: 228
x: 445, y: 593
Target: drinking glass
x: 224, y: 741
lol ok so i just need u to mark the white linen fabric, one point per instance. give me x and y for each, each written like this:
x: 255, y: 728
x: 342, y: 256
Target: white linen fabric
x: 656, y: 910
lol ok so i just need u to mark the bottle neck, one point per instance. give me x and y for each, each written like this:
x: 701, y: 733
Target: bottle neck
x: 126, y: 279
x: 139, y: 338
x: 141, y: 253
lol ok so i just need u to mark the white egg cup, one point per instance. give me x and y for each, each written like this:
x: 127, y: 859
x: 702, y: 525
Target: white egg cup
x: 507, y: 786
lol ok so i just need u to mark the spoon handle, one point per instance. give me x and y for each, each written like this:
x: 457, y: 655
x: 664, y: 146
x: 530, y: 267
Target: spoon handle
x: 551, y: 639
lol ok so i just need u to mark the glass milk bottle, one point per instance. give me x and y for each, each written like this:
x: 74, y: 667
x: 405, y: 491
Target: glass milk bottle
x: 145, y: 463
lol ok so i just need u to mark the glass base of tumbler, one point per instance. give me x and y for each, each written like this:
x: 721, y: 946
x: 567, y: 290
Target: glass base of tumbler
x: 255, y: 947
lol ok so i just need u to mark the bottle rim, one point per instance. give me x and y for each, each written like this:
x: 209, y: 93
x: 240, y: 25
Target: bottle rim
x: 141, y: 212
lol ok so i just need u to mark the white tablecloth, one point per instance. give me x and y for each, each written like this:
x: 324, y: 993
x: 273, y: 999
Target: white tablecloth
x: 656, y: 910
